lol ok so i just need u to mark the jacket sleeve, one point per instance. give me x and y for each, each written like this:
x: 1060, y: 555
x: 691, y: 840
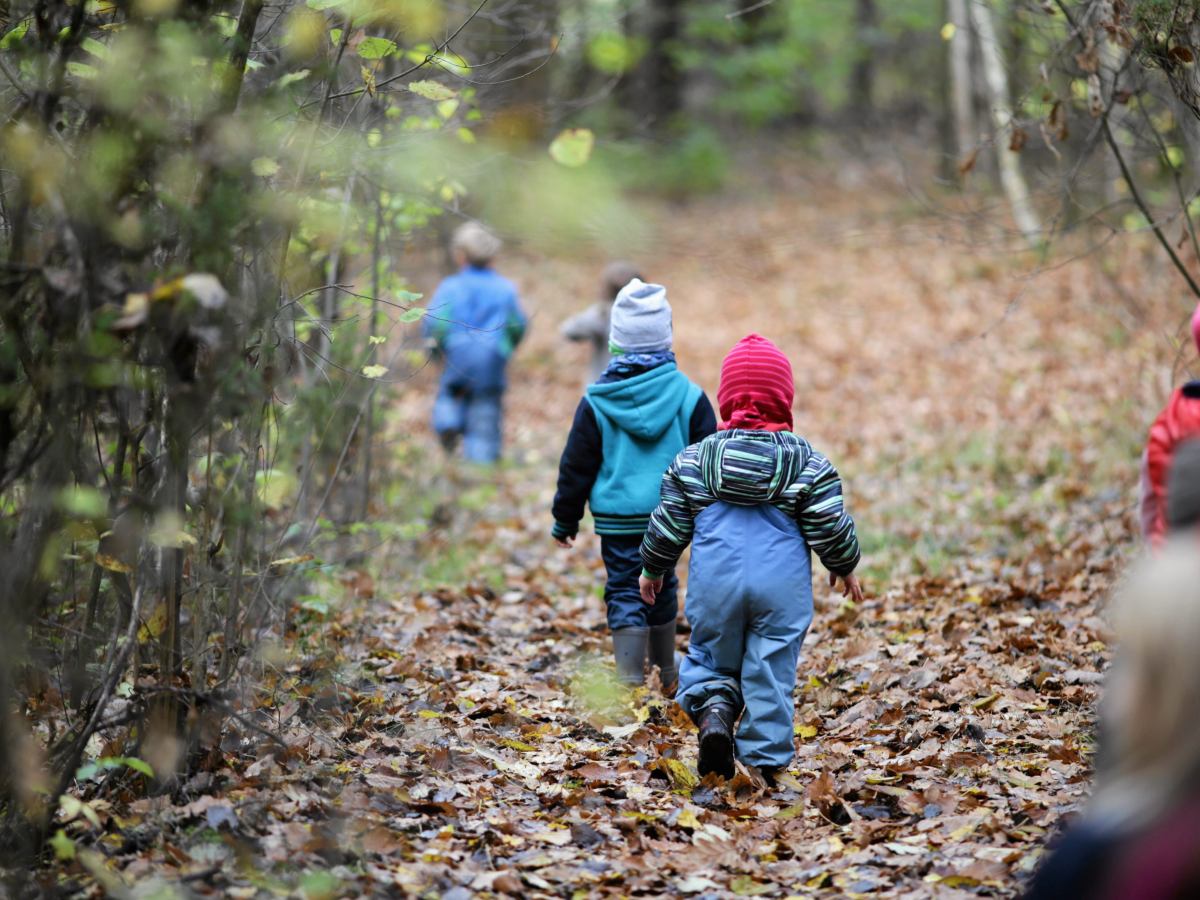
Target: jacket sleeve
x: 436, y: 322
x: 822, y: 517
x: 577, y: 471
x: 671, y: 525
x: 517, y: 323
x: 704, y: 421
x: 1155, y: 465
x: 588, y: 325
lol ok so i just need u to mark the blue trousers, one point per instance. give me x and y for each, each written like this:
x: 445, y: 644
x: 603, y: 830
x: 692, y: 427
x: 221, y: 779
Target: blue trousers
x: 623, y: 564
x: 750, y: 605
x: 474, y: 416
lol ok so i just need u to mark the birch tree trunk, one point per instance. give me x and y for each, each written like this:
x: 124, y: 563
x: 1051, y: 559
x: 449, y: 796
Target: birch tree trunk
x: 1011, y: 179
x: 962, y: 109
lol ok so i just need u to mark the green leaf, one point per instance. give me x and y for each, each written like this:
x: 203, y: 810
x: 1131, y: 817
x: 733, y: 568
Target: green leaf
x: 376, y: 48
x: 319, y: 885
x: 292, y: 78
x: 82, y: 70
x: 374, y: 371
x: 138, y: 765
x: 573, y: 147
x: 613, y: 53
x: 446, y: 108
x: 14, y: 36
x: 335, y: 36
x: 63, y: 846
x: 407, y: 297
x: 264, y: 166
x: 432, y: 90
x: 82, y: 502
x: 324, y: 4
x: 225, y: 25
x: 94, y: 47
x: 412, y: 314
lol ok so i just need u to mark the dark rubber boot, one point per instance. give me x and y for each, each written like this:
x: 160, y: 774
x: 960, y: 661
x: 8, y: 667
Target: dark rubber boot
x: 663, y: 655
x: 716, y: 740
x: 629, y: 650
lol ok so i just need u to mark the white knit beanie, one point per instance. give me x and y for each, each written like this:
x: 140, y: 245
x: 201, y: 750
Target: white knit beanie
x: 641, y: 318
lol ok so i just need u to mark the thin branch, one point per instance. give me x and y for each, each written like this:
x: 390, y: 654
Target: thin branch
x: 749, y: 9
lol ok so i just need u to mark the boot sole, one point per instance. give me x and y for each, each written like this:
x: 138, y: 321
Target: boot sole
x: 716, y: 754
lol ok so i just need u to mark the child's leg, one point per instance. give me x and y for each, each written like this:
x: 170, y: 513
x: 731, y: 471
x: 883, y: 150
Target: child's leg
x: 629, y: 619
x: 710, y: 671
x: 449, y: 416
x: 768, y: 675
x: 483, y: 423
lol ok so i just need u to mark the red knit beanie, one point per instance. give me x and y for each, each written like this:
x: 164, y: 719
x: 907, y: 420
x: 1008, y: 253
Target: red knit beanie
x: 757, y: 387
x: 1196, y: 326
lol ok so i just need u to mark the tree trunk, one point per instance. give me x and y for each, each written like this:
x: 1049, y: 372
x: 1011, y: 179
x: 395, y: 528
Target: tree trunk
x: 1009, y: 162
x: 961, y: 104
x: 862, y: 76
x: 659, y: 79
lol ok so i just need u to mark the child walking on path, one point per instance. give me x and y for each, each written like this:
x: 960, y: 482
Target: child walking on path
x: 592, y: 325
x: 753, y: 500
x: 1178, y: 421
x: 475, y: 322
x: 628, y: 427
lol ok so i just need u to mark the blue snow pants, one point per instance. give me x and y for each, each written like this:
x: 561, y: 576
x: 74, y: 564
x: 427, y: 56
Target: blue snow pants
x: 469, y: 400
x: 475, y: 416
x: 623, y: 565
x: 749, y: 603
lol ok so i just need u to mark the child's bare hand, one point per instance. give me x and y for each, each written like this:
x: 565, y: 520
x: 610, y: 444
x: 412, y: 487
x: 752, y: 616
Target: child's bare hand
x: 565, y: 543
x: 649, y: 588
x: 850, y: 586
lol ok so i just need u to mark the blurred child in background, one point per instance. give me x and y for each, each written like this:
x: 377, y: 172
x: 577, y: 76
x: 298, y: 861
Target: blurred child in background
x: 1139, y: 838
x: 628, y: 427
x: 592, y: 325
x: 1177, y: 422
x: 475, y: 322
x: 752, y: 500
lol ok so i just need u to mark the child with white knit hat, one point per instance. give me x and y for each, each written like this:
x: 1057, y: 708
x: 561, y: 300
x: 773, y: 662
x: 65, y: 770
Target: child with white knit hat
x: 628, y: 427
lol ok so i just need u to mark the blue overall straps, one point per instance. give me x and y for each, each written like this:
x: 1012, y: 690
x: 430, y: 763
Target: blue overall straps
x: 749, y: 602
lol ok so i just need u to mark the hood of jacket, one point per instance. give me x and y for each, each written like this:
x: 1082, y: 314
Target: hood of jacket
x: 749, y: 467
x: 644, y: 405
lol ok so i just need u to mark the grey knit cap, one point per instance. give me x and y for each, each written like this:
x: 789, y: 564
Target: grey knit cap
x: 1183, y: 487
x: 641, y: 318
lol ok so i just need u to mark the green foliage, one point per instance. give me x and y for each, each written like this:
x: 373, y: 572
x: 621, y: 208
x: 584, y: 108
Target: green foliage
x: 794, y: 59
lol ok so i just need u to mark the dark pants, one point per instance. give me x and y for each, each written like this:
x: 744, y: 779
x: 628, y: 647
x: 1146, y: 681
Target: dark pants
x: 623, y: 564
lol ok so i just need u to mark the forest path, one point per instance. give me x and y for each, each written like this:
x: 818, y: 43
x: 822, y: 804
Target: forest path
x: 461, y: 735
x: 983, y: 420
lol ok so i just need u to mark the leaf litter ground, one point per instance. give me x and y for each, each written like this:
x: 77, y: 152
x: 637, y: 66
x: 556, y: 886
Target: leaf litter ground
x: 459, y: 733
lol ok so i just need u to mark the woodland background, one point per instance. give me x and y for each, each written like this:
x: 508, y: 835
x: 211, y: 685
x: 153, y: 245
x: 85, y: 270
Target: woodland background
x: 261, y: 639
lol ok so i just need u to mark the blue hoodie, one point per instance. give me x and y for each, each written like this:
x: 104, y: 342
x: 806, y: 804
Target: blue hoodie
x: 625, y: 434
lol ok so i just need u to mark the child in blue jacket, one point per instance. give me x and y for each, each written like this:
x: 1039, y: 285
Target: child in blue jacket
x: 475, y: 321
x: 628, y: 427
x: 753, y: 500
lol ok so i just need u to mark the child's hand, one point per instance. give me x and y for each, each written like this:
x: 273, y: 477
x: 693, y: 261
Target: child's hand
x: 565, y: 543
x: 649, y: 588
x: 850, y: 586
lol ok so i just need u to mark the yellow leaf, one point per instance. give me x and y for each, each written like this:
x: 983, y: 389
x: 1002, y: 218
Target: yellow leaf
x: 948, y: 31
x: 806, y: 731
x: 105, y: 561
x: 687, y: 819
x: 682, y: 778
x: 155, y: 625
x: 429, y: 714
x: 517, y: 745
x: 986, y: 701
x: 291, y: 561
x: 374, y: 371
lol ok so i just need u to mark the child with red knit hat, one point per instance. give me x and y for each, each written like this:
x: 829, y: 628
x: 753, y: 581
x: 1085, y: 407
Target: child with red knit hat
x: 753, y: 500
x: 1178, y: 422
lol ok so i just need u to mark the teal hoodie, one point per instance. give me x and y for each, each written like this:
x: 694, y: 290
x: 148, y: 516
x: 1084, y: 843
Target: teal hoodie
x: 644, y: 422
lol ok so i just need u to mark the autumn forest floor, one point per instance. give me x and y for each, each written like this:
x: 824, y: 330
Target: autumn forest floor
x: 456, y: 734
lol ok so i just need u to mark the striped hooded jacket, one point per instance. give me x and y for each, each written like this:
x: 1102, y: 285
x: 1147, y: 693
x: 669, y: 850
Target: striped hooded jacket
x: 746, y: 468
